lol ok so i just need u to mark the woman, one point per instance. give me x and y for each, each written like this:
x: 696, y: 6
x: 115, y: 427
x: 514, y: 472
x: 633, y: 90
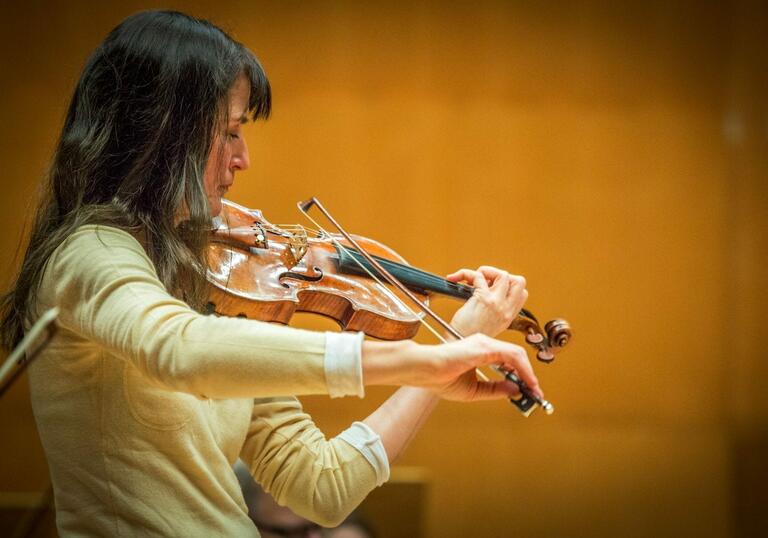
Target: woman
x: 142, y: 403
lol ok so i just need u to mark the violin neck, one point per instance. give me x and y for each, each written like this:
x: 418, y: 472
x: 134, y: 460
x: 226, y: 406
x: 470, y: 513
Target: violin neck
x: 415, y: 279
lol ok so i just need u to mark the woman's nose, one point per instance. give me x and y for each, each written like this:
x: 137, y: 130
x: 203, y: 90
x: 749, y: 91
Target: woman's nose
x: 240, y: 159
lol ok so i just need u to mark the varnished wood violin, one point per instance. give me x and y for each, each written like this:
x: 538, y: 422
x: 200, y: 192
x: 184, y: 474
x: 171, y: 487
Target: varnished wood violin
x: 262, y: 271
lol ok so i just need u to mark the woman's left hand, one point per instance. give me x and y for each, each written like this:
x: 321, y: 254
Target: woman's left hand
x: 497, y: 300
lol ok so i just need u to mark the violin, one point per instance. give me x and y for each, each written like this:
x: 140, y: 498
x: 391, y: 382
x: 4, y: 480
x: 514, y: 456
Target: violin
x: 259, y: 270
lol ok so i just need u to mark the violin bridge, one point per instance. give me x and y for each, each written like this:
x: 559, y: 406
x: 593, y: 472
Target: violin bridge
x: 297, y: 245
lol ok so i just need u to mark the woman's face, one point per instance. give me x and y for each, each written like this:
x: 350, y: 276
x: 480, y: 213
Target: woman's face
x: 229, y: 153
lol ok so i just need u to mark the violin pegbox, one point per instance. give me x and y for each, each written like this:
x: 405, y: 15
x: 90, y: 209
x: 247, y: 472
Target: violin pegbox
x: 548, y: 341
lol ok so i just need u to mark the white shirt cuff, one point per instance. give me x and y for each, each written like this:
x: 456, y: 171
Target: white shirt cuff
x: 369, y: 444
x: 344, y: 364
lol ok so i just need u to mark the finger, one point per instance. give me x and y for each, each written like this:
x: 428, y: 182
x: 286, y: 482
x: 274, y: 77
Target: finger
x: 491, y: 273
x: 516, y: 359
x: 511, y: 357
x: 480, y: 282
x: 462, y: 275
x: 502, y: 285
x: 494, y: 390
x: 517, y: 290
x: 522, y: 297
x: 518, y: 282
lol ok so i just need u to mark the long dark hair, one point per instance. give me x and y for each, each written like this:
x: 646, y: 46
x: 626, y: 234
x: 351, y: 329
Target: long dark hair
x: 133, y: 150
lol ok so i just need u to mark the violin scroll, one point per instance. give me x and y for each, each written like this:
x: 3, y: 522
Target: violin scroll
x: 559, y: 332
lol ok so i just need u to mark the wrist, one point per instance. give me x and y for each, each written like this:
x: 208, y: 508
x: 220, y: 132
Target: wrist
x: 427, y: 398
x: 393, y: 363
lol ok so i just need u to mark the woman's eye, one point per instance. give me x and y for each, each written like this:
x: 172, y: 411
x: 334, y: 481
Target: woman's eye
x: 233, y: 136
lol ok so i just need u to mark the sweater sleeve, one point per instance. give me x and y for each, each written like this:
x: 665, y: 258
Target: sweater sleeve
x: 109, y: 293
x: 319, y: 479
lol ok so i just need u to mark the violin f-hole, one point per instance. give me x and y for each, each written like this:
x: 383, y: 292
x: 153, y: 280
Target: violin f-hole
x: 306, y: 277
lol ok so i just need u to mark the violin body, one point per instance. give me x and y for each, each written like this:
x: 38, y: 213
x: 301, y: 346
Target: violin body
x: 264, y: 272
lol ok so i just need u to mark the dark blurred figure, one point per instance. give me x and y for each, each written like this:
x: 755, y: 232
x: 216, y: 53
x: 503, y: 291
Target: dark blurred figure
x: 275, y: 521
x: 352, y: 527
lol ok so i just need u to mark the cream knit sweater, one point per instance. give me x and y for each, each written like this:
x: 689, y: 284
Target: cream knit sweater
x: 143, y: 405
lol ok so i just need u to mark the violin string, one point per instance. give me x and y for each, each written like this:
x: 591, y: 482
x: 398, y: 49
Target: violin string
x: 290, y: 227
x: 377, y: 279
x: 414, y: 272
x: 437, y: 281
x: 425, y: 276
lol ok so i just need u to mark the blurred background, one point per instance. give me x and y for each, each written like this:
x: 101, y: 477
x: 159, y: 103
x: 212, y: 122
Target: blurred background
x: 614, y: 153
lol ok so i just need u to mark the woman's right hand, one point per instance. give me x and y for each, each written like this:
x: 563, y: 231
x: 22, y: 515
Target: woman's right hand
x: 449, y: 369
